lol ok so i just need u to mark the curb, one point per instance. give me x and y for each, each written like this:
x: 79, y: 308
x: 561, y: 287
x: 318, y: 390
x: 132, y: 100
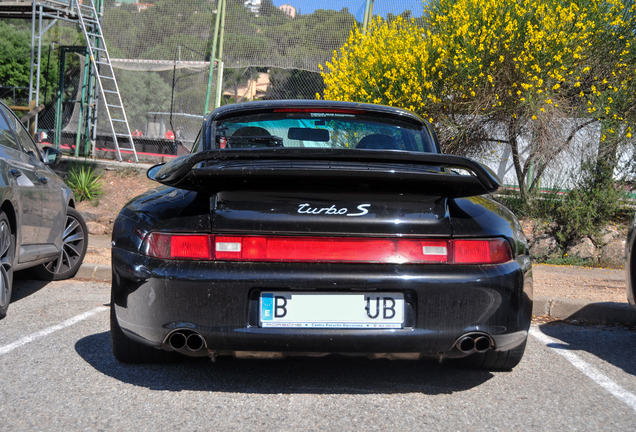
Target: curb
x: 97, y: 272
x: 553, y: 307
x: 584, y: 311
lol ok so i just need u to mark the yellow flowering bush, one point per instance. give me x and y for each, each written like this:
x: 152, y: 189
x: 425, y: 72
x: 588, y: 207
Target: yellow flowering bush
x: 467, y: 65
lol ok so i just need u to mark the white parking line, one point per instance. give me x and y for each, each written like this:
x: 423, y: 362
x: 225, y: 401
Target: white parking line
x: 47, y: 331
x: 593, y: 373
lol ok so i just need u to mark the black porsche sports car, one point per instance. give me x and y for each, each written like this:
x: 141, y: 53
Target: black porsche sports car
x: 40, y: 229
x: 316, y: 227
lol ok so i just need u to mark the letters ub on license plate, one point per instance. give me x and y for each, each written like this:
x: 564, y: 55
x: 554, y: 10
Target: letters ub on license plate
x: 332, y: 310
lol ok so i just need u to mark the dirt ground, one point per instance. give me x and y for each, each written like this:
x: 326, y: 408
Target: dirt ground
x: 599, y: 285
x: 593, y: 284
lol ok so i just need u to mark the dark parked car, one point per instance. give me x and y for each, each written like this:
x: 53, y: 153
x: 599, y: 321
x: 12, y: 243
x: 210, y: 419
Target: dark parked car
x: 39, y: 226
x: 630, y: 265
x: 315, y: 227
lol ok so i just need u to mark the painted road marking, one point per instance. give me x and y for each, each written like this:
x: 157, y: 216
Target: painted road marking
x: 47, y: 331
x: 593, y: 373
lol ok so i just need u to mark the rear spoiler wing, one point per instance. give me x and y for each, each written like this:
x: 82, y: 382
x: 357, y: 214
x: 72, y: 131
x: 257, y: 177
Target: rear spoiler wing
x: 327, y: 169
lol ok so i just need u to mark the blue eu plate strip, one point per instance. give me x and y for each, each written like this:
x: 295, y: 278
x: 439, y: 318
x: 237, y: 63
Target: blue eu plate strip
x: 267, y: 307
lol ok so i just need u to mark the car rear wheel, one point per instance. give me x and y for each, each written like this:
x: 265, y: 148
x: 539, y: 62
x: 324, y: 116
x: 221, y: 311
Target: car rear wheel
x: 493, y: 360
x: 127, y: 350
x: 74, y: 244
x: 7, y: 253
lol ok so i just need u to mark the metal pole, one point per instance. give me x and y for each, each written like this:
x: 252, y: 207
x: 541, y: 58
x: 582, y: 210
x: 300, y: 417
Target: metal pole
x: 89, y: 112
x: 219, y: 85
x: 80, y: 120
x: 213, y: 55
x: 94, y: 88
x: 34, y: 122
x: 33, y: 20
x: 365, y: 20
x: 58, y: 104
x: 219, y: 75
x: 91, y: 102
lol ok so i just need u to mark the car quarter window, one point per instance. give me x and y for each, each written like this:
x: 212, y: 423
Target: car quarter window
x: 7, y: 138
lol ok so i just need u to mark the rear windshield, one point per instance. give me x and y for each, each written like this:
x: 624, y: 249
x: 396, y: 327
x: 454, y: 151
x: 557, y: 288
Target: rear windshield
x: 322, y: 130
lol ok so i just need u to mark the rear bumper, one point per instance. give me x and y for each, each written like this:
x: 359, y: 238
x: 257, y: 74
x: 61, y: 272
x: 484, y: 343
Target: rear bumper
x: 219, y: 301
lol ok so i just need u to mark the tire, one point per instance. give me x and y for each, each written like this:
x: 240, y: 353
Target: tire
x: 492, y: 360
x: 127, y: 350
x: 7, y: 255
x: 74, y: 245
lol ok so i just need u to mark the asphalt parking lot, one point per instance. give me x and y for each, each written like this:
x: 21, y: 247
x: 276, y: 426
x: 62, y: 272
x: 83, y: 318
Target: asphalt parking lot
x: 57, y: 372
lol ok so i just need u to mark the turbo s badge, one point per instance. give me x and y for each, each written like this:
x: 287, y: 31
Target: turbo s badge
x: 333, y: 210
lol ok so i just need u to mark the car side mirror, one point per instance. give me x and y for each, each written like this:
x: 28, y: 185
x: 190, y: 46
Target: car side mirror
x: 152, y: 172
x: 51, y: 155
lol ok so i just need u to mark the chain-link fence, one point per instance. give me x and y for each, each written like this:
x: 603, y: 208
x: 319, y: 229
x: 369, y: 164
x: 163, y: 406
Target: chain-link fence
x: 270, y: 50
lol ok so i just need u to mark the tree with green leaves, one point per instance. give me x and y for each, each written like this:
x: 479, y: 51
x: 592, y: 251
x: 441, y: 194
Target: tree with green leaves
x: 294, y: 84
x: 499, y: 71
x: 15, y: 55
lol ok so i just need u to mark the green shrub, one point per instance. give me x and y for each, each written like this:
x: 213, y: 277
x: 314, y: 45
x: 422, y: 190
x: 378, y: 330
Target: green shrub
x: 594, y: 203
x: 541, y: 206
x: 84, y: 182
x: 513, y: 202
x: 569, y: 261
x: 584, y: 211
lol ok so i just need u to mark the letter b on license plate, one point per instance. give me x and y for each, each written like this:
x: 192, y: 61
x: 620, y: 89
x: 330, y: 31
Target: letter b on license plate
x: 332, y: 310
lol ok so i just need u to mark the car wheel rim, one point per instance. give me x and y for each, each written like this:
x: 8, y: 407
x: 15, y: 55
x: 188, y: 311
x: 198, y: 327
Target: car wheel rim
x: 5, y: 263
x: 72, y: 246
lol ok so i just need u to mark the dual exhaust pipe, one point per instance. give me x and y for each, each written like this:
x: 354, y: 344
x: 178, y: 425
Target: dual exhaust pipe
x: 474, y: 342
x: 187, y: 342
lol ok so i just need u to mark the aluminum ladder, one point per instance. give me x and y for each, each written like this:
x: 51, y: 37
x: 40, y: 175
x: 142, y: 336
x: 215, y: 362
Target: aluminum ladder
x: 89, y: 20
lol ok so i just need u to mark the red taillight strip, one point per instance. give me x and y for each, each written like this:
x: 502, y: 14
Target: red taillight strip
x: 325, y: 249
x: 318, y: 249
x: 490, y: 251
x: 178, y: 246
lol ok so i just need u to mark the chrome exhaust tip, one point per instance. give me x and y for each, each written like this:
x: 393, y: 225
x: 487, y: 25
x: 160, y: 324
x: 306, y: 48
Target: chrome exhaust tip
x: 482, y: 344
x: 177, y: 341
x: 466, y: 344
x: 195, y: 342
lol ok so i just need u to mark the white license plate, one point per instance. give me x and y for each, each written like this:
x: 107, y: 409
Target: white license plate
x: 332, y: 310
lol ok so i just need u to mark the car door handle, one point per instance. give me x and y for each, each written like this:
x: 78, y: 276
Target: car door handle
x: 43, y: 180
x: 15, y: 172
